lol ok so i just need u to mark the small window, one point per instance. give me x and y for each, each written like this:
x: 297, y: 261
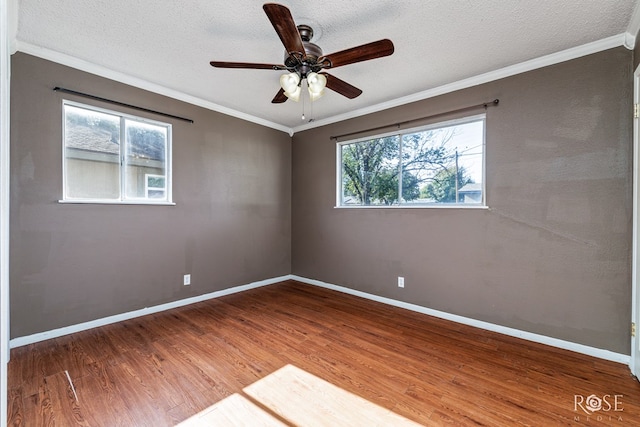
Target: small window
x: 155, y: 186
x: 115, y: 158
x: 436, y: 165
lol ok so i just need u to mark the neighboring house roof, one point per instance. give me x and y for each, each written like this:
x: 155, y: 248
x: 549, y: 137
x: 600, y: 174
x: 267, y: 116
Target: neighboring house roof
x: 88, y: 139
x: 473, y: 187
x: 101, y: 141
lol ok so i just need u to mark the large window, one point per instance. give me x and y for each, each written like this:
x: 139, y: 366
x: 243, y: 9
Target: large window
x: 115, y: 158
x: 435, y: 165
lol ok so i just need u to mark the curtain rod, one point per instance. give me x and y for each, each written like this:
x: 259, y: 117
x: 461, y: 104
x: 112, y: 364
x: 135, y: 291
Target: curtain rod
x: 485, y: 105
x: 122, y: 104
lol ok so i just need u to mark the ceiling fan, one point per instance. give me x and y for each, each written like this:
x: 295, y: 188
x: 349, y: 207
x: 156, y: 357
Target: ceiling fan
x: 304, y: 60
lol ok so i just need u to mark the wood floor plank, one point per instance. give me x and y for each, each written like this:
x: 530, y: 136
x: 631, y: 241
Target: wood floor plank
x: 64, y: 403
x: 28, y: 368
x: 38, y: 410
x: 15, y: 406
x: 194, y: 364
x: 101, y: 402
x: 78, y: 361
x: 140, y: 399
x: 272, y: 355
x: 190, y: 375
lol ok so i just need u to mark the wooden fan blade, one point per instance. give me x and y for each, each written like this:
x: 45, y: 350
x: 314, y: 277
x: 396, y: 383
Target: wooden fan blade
x: 280, y: 97
x: 361, y: 53
x: 251, y: 65
x: 342, y: 87
x: 283, y: 23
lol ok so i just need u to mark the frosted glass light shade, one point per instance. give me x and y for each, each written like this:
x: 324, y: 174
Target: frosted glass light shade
x: 316, y: 84
x: 314, y: 96
x: 290, y: 84
x: 295, y: 95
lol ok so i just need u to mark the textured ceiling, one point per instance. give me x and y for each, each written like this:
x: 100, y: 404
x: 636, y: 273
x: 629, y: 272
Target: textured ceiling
x: 437, y: 42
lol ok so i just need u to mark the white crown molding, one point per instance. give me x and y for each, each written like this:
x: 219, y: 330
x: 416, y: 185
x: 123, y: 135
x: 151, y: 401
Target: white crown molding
x: 633, y: 28
x: 624, y: 39
x: 82, y: 65
x: 533, y: 64
x: 629, y: 41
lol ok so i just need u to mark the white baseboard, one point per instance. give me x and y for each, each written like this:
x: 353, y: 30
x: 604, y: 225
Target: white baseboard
x: 542, y: 339
x: 30, y: 339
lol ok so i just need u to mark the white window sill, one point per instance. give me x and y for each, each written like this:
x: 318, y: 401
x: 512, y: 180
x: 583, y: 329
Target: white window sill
x: 116, y: 202
x: 443, y: 206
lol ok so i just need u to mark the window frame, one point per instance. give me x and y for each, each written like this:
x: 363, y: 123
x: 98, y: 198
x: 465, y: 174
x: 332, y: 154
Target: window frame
x: 167, y: 201
x: 400, y: 133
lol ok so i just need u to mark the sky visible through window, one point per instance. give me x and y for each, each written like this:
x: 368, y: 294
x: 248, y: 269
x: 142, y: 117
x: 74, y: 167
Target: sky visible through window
x: 469, y: 139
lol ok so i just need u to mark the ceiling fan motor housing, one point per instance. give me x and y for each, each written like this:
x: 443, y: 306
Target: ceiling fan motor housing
x: 308, y: 63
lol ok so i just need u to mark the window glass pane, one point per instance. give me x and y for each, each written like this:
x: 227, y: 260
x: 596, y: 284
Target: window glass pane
x: 115, y: 157
x: 432, y: 159
x: 441, y: 164
x: 370, y: 172
x: 145, y: 161
x: 155, y: 186
x: 92, y: 154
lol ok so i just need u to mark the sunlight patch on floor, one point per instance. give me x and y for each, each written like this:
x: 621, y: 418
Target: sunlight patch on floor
x: 301, y: 399
x: 234, y: 410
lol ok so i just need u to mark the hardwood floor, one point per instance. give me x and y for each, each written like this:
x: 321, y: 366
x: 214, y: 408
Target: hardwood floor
x: 294, y: 354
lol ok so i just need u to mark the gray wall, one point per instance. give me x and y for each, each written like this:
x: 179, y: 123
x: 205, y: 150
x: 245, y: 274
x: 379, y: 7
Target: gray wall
x: 73, y: 263
x: 551, y: 255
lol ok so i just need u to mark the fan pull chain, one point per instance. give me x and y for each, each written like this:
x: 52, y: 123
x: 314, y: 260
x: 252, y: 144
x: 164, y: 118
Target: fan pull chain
x: 302, y: 102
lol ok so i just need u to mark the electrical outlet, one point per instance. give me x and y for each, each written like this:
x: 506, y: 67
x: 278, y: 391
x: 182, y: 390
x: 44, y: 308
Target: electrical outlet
x: 187, y: 280
x: 400, y: 282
